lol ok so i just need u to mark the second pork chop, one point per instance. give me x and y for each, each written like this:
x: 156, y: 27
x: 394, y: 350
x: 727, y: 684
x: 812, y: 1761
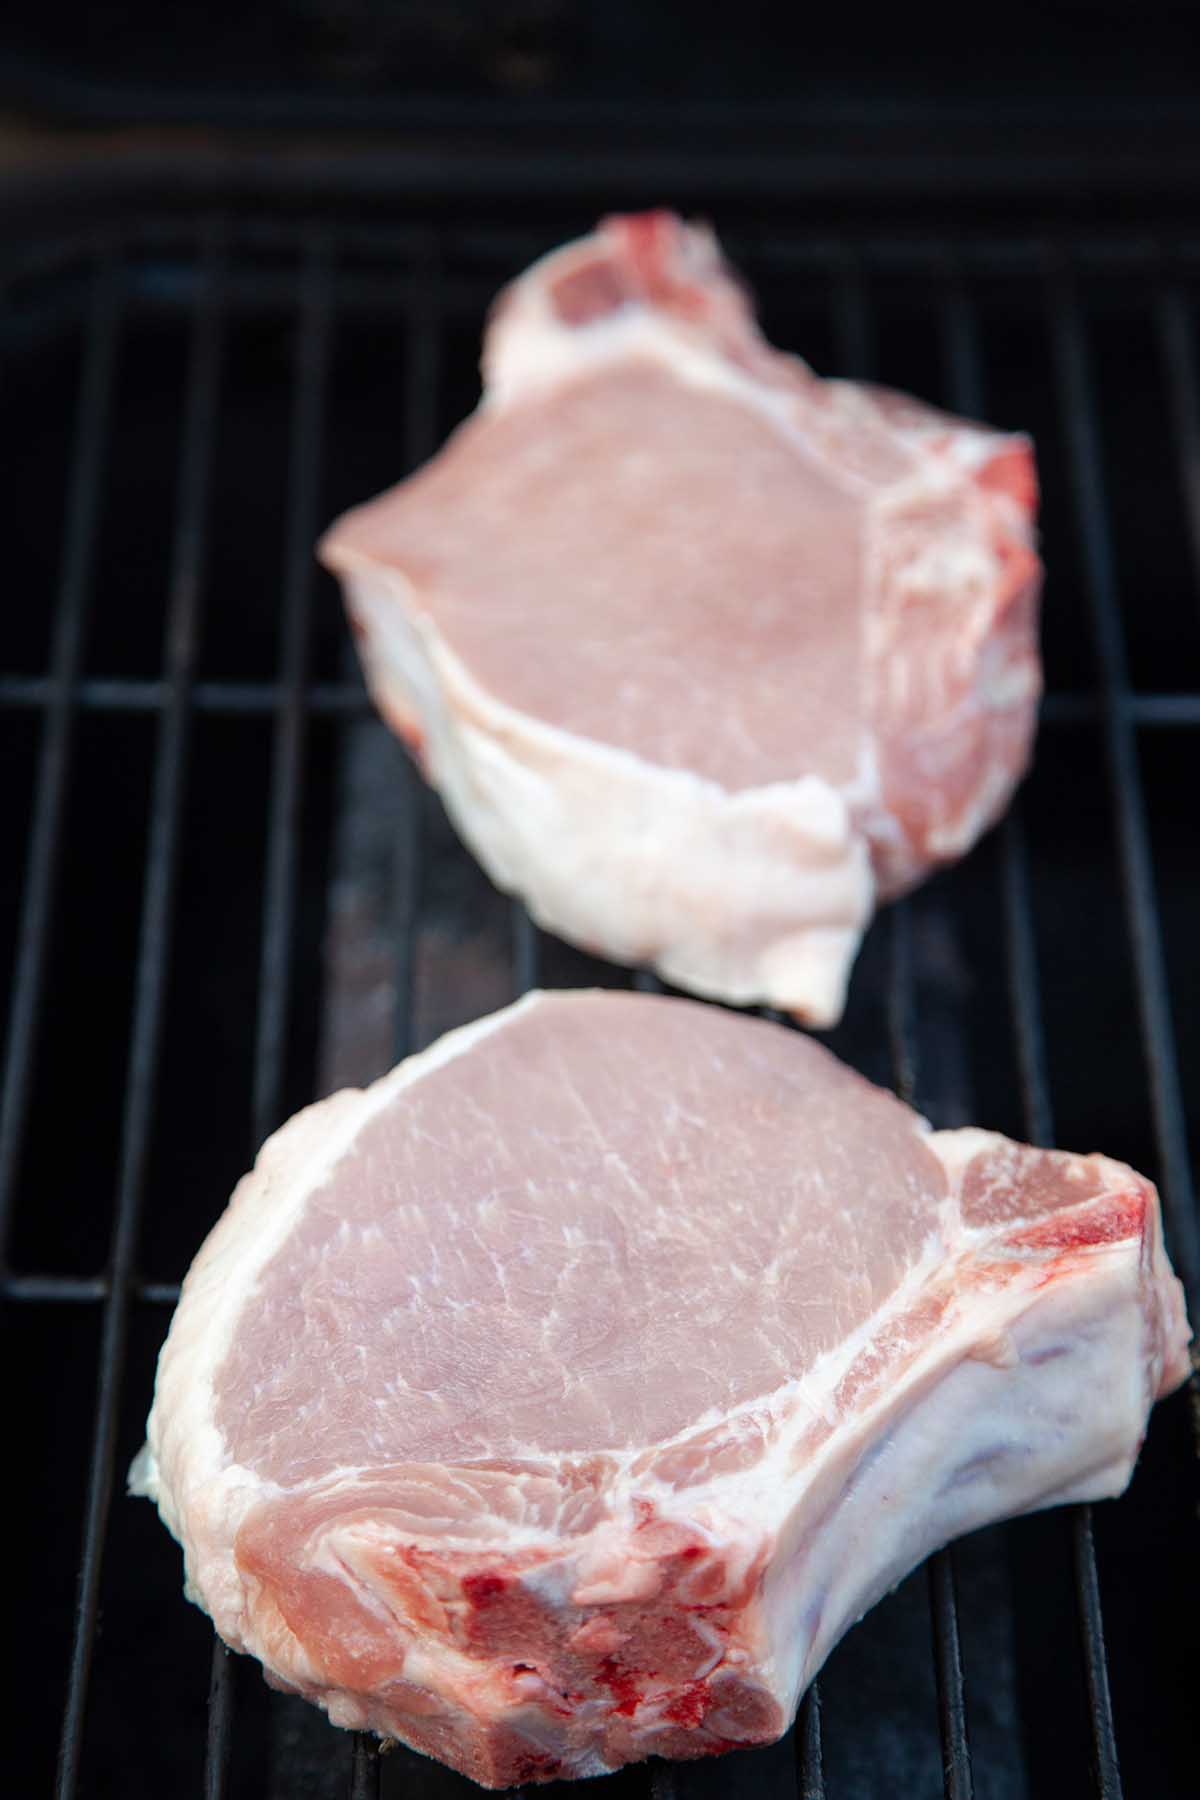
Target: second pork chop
x: 561, y: 1399
x: 704, y: 654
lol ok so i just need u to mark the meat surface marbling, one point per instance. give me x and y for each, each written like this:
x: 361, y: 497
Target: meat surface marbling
x: 561, y: 1399
x: 705, y: 654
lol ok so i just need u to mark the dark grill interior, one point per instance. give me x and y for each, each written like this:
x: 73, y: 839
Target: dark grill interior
x: 225, y: 891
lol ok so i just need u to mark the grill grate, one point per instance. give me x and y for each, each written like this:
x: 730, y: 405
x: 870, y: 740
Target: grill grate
x: 200, y: 287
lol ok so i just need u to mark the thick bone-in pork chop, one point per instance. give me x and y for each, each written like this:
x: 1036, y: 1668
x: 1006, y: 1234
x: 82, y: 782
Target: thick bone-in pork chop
x: 560, y: 1399
x: 705, y: 654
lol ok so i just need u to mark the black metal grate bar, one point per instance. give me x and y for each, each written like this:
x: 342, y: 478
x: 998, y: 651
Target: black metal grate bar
x: 235, y: 699
x: 957, y: 1773
x: 312, y: 358
x: 33, y: 938
x: 406, y: 884
x: 38, y: 1288
x: 422, y: 381
x: 364, y: 1767
x: 1039, y: 1124
x: 218, y: 1734
x: 399, y: 246
x: 287, y: 770
x: 150, y: 986
x: 965, y: 371
x: 856, y: 335
x: 422, y: 384
x: 1082, y: 435
x: 1023, y: 978
x: 526, y: 950
x: 958, y: 1779
x: 901, y: 1026
x: 806, y: 1738
x: 1105, y: 1767
x: 349, y: 699
x: 80, y: 1289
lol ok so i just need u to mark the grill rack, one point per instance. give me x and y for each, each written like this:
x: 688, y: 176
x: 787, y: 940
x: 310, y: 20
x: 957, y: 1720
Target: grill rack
x: 413, y: 277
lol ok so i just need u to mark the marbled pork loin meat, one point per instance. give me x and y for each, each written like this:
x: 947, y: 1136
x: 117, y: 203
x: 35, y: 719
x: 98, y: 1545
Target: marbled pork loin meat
x: 560, y: 1399
x: 705, y: 654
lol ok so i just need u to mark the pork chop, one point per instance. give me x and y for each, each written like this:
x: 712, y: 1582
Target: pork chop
x: 562, y: 1398
x: 704, y: 654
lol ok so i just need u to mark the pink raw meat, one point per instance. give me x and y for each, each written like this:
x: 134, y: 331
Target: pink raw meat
x: 561, y: 1399
x: 705, y: 654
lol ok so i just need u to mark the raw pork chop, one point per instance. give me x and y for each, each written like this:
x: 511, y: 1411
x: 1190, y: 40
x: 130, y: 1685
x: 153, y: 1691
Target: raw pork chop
x: 561, y: 1398
x: 704, y: 654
